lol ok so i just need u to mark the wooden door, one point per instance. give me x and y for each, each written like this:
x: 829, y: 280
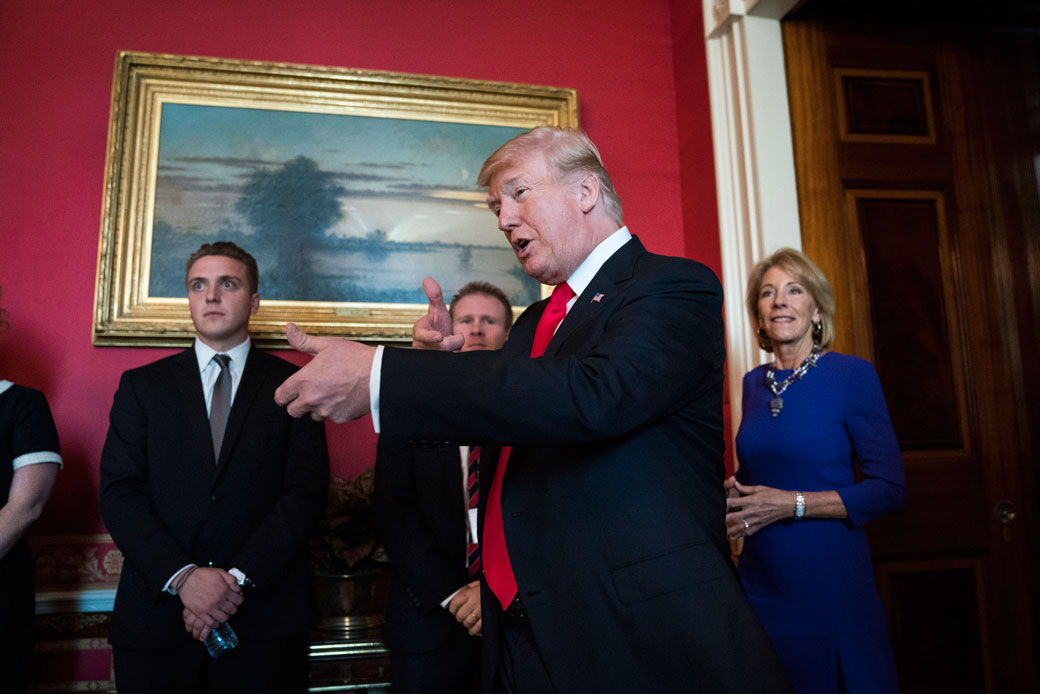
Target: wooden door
x: 916, y: 152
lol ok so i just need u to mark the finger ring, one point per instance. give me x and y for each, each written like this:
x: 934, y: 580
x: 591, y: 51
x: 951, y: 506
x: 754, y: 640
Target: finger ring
x: 747, y: 526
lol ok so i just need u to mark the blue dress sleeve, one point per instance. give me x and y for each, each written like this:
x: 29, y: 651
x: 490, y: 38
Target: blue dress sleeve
x: 882, y: 488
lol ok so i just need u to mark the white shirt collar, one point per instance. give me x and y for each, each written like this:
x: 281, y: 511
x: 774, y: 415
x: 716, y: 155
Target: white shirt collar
x: 594, y: 260
x: 204, y: 353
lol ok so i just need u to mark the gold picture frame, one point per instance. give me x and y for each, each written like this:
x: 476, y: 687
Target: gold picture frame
x: 188, y: 134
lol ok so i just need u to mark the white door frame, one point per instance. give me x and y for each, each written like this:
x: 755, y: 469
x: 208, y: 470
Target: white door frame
x: 754, y: 158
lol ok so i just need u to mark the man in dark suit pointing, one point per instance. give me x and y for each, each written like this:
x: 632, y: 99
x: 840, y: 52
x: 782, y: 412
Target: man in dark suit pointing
x: 606, y: 567
x: 205, y: 485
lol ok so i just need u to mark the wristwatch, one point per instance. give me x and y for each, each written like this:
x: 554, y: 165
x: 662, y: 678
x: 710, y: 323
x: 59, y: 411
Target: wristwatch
x: 242, y: 579
x: 799, y: 506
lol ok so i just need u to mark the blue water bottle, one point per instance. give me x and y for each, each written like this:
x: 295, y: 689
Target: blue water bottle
x: 223, y: 638
x: 220, y: 640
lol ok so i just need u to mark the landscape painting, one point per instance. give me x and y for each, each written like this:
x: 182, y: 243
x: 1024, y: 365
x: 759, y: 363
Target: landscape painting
x: 349, y: 186
x: 333, y: 207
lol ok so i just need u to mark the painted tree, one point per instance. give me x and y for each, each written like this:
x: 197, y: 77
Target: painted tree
x: 289, y: 208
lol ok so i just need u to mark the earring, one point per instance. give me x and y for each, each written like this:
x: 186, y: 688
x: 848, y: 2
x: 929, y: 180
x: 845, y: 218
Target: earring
x: 817, y: 329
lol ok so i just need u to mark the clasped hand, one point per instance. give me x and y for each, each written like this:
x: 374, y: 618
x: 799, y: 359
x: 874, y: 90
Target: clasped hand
x: 210, y: 597
x: 465, y: 607
x: 753, y: 507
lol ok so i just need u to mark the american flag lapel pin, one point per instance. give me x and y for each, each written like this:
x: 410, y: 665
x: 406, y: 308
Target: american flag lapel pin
x: 596, y: 299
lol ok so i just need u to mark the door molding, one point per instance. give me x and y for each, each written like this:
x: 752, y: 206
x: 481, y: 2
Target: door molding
x: 754, y: 159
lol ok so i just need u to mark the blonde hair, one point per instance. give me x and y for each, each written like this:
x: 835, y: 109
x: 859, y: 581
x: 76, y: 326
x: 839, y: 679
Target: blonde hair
x: 568, y: 150
x: 798, y: 265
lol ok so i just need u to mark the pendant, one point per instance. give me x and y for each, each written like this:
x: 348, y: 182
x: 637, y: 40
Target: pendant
x: 775, y: 405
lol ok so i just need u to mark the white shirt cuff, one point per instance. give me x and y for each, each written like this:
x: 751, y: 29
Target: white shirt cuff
x: 168, y: 588
x: 446, y: 601
x: 373, y: 386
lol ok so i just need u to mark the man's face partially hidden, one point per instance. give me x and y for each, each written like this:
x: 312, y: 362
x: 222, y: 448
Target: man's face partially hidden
x: 541, y: 217
x: 482, y: 319
x: 220, y: 301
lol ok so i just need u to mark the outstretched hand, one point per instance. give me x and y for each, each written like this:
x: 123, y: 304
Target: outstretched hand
x: 434, y: 330
x: 334, y: 385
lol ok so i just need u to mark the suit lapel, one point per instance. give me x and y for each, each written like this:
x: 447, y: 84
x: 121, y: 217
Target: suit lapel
x: 618, y: 268
x: 600, y: 295
x: 189, y: 388
x: 245, y: 396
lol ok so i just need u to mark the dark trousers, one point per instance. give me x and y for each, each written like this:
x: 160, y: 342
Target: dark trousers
x: 272, y: 666
x: 452, y: 668
x: 16, y: 618
x: 520, y: 667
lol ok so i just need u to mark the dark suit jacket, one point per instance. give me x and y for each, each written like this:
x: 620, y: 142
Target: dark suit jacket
x: 168, y: 503
x: 422, y: 523
x: 613, y: 504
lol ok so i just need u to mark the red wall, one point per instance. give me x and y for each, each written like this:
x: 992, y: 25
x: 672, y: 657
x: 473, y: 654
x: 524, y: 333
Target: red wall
x: 56, y: 63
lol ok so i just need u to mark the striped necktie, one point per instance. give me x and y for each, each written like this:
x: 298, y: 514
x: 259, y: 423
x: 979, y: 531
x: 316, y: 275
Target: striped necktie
x: 473, y: 489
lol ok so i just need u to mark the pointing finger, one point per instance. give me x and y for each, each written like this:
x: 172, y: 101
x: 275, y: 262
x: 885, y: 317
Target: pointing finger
x: 433, y: 292
x: 287, y: 393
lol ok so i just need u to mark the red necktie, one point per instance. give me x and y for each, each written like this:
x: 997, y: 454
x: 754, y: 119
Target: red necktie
x: 497, y: 569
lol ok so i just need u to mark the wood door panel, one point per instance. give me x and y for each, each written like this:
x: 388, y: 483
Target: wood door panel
x: 890, y: 106
x: 913, y: 346
x: 938, y: 625
x: 916, y: 155
x: 907, y: 165
x: 934, y: 524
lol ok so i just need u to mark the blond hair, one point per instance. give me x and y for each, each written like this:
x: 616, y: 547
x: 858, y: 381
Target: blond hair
x: 568, y: 151
x: 798, y: 265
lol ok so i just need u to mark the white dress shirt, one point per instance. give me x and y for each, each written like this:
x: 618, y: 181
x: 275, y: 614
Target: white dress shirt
x: 209, y: 370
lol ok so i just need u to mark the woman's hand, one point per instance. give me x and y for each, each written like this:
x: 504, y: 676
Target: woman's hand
x: 751, y: 508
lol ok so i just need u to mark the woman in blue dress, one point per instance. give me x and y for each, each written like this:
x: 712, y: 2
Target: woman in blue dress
x: 811, y: 420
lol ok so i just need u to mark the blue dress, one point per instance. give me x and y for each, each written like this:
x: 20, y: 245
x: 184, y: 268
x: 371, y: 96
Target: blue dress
x: 811, y: 581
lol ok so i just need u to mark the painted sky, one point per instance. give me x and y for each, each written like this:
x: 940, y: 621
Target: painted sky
x: 413, y: 179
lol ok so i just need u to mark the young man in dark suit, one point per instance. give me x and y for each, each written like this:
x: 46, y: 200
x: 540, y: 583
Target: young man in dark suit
x: 606, y: 566
x: 422, y: 504
x: 211, y: 492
